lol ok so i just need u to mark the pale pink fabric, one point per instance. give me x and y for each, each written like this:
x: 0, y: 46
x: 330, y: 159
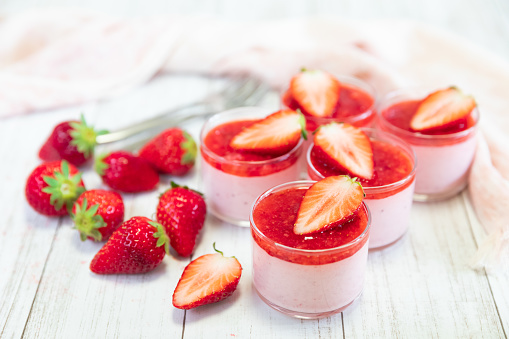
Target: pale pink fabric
x: 54, y: 58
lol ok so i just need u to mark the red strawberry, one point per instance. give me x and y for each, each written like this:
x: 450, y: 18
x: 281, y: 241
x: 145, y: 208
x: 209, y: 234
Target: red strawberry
x: 137, y: 246
x: 345, y: 147
x: 172, y: 152
x: 328, y: 203
x: 182, y: 212
x: 97, y: 214
x: 207, y: 279
x: 126, y: 172
x: 442, y: 108
x: 277, y: 134
x: 316, y: 92
x: 73, y: 141
x: 52, y: 187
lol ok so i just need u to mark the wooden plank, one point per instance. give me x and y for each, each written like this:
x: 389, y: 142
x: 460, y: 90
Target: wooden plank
x: 422, y: 285
x: 498, y: 279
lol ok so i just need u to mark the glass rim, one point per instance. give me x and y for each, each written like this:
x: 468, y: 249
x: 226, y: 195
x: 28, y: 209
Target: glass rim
x: 240, y: 110
x: 302, y: 183
x: 382, y: 188
x: 387, y: 101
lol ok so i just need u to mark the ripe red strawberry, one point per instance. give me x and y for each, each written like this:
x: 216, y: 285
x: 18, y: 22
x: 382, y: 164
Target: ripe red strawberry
x: 277, y: 134
x: 126, y: 172
x: 137, y: 246
x: 97, y: 214
x: 52, y: 187
x: 316, y: 92
x: 345, y: 147
x: 207, y: 279
x: 328, y: 203
x: 172, y: 152
x: 73, y: 141
x: 442, y: 108
x: 182, y: 212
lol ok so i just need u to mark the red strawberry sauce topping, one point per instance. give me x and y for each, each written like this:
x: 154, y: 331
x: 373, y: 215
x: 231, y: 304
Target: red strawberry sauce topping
x: 275, y: 217
x: 218, y: 140
x: 391, y: 164
x: 352, y: 102
x: 401, y: 113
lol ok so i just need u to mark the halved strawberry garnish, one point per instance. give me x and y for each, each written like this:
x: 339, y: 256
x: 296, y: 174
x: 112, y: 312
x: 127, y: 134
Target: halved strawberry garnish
x: 328, y: 203
x: 277, y: 134
x: 207, y: 279
x: 442, y: 108
x: 347, y: 148
x: 317, y: 92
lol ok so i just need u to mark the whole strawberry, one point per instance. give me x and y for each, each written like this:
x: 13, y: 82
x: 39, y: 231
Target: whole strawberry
x: 137, y: 246
x: 97, y: 214
x: 126, y: 172
x: 172, y: 152
x: 73, y: 141
x: 182, y: 212
x: 52, y: 187
x: 207, y: 279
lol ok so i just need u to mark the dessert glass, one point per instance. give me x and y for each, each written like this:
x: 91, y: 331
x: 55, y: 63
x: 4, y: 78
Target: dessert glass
x: 389, y: 204
x: 444, y: 159
x: 231, y: 186
x: 306, y: 283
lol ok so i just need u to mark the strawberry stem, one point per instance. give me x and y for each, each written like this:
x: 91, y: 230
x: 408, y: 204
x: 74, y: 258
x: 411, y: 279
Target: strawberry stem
x: 87, y: 221
x: 161, y: 236
x: 62, y: 187
x: 84, y: 136
x: 218, y: 251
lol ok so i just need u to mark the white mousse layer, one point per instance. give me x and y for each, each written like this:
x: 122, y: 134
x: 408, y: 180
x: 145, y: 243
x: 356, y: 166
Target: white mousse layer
x: 390, y: 217
x: 309, y: 289
x: 229, y: 197
x: 442, y: 169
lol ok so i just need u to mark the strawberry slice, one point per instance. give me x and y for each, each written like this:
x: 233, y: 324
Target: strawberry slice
x: 317, y: 92
x: 442, y: 108
x: 277, y: 134
x: 328, y: 203
x: 207, y: 279
x: 346, y: 147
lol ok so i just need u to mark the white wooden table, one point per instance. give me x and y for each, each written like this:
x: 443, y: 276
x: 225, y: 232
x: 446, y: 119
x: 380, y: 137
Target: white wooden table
x: 420, y: 287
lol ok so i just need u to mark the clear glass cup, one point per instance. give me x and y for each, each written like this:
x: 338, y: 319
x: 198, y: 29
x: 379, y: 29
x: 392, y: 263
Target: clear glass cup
x: 305, y: 283
x: 444, y: 159
x: 389, y: 204
x: 231, y: 186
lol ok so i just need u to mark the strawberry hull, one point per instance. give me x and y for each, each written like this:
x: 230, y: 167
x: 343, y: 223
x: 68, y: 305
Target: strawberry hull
x: 389, y: 193
x: 445, y: 154
x: 232, y: 180
x: 306, y: 276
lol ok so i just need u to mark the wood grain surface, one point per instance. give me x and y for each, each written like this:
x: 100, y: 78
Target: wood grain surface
x: 422, y: 287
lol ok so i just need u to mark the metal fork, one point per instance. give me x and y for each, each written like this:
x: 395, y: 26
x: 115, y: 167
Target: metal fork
x: 243, y: 91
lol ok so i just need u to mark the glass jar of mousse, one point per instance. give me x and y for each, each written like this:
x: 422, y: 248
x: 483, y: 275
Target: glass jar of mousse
x: 306, y: 276
x: 389, y: 194
x: 232, y: 180
x: 444, y: 158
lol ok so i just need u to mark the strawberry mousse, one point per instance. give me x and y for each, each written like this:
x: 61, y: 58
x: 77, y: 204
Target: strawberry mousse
x: 389, y: 187
x: 246, y: 151
x: 324, y: 98
x: 308, y: 275
x: 441, y: 129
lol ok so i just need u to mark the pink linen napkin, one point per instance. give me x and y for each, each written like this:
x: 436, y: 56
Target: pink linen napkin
x: 54, y: 58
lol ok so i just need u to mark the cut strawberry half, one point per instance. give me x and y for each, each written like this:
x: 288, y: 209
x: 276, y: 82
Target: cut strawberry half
x: 277, y: 134
x: 347, y: 148
x: 317, y: 92
x: 328, y: 203
x: 207, y: 279
x: 442, y: 108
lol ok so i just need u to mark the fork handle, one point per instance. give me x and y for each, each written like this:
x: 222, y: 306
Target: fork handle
x: 168, y: 118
